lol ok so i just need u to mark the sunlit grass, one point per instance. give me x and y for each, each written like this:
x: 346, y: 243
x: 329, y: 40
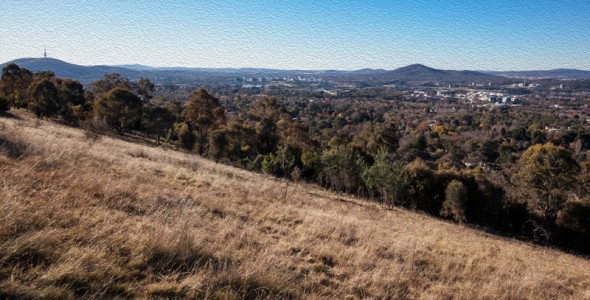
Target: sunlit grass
x: 107, y: 218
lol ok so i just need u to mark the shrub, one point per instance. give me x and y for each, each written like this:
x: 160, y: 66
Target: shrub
x: 342, y: 168
x: 421, y: 187
x: 486, y: 201
x: 218, y: 143
x: 186, y: 137
x: 574, y: 222
x: 94, y: 128
x: 575, y: 216
x: 455, y: 199
x: 14, y: 147
x: 3, y: 104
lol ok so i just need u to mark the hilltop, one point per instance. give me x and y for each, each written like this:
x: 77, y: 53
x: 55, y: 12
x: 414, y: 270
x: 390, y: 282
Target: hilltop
x: 85, y: 74
x: 105, y: 217
x: 419, y: 72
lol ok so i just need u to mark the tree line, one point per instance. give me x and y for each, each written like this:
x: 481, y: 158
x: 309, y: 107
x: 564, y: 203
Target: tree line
x: 542, y: 194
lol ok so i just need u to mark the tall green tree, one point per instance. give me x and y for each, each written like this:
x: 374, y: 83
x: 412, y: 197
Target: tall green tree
x: 157, y: 120
x: 546, y: 173
x: 14, y: 84
x: 44, y: 98
x: 120, y: 108
x: 205, y: 114
x: 71, y: 95
x: 267, y: 111
x: 386, y: 178
x: 71, y: 91
x: 342, y: 168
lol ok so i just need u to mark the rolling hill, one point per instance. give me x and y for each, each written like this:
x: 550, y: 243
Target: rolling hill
x: 418, y: 72
x: 110, y: 218
x: 84, y: 74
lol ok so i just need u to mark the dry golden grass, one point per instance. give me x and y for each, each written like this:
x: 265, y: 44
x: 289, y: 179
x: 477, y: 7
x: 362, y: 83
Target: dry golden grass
x: 107, y: 218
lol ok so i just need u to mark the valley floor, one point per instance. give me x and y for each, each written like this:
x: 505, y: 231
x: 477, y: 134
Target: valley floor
x: 107, y: 218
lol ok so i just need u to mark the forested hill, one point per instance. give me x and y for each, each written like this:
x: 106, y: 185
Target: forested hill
x: 418, y: 72
x: 84, y: 74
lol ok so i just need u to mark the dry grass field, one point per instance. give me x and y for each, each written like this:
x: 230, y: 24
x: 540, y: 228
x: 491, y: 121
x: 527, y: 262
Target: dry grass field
x: 107, y: 218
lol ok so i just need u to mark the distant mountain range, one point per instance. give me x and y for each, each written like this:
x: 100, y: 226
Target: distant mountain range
x: 164, y: 75
x: 566, y: 74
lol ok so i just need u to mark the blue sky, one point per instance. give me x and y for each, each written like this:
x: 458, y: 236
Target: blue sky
x: 491, y: 35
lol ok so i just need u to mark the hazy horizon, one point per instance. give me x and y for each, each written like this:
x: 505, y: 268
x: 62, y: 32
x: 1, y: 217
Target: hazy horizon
x: 303, y: 35
x: 131, y: 65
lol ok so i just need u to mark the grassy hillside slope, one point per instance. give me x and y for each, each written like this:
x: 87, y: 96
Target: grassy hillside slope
x: 108, y: 218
